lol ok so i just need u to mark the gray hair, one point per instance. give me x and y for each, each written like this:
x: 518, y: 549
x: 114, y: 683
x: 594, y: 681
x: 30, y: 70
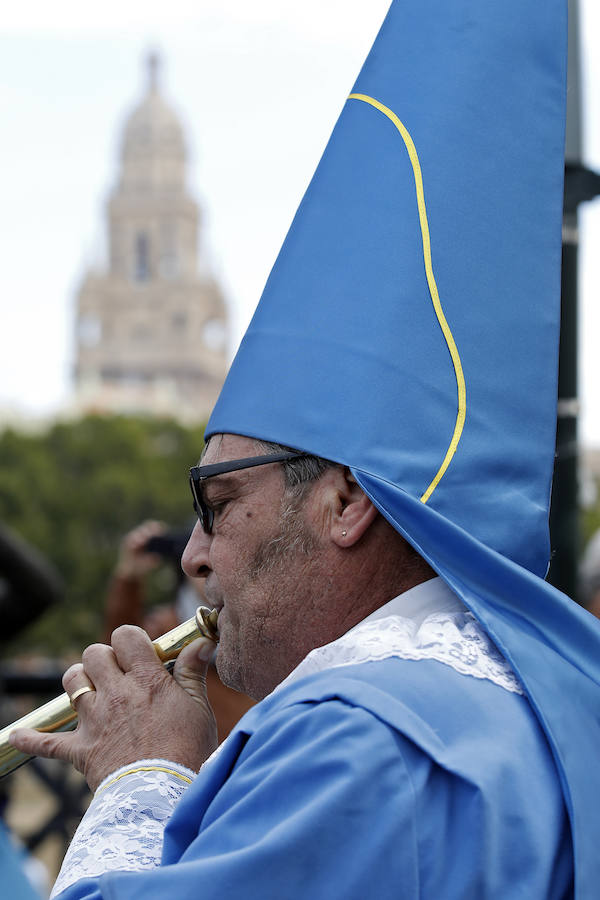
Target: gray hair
x: 295, y: 535
x: 298, y: 473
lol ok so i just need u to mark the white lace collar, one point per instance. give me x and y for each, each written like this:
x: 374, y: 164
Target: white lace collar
x: 427, y: 622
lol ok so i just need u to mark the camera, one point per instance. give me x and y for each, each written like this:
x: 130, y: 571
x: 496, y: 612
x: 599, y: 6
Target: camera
x: 169, y: 545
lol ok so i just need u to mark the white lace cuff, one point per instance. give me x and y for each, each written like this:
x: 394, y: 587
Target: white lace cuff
x: 124, y: 824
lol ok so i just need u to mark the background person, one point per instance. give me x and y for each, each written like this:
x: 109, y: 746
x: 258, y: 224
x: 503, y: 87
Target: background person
x: 126, y: 604
x: 589, y: 575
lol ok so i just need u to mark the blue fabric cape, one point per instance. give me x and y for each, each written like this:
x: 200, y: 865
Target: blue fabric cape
x: 343, y: 786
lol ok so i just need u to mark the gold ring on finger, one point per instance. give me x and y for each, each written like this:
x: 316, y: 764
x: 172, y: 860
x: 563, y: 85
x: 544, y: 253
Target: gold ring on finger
x: 77, y: 694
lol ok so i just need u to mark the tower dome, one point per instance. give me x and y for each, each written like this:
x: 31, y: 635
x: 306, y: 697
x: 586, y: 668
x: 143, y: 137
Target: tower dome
x: 153, y: 150
x: 152, y: 329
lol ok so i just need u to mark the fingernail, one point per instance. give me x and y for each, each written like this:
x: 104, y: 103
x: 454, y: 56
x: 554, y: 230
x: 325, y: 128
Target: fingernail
x: 205, y: 650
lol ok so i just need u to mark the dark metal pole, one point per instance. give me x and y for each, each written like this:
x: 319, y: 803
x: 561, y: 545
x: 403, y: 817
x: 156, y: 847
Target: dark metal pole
x: 564, y: 512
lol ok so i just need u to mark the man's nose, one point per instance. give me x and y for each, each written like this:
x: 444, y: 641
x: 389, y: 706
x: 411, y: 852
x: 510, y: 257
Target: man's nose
x: 194, y: 561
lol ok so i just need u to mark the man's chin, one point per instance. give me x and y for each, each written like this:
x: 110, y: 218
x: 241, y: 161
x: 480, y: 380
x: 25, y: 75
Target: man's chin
x: 230, y: 675
x: 227, y: 660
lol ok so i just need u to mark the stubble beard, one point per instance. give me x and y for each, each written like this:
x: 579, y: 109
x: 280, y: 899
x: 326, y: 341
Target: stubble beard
x: 293, y: 543
x: 294, y: 539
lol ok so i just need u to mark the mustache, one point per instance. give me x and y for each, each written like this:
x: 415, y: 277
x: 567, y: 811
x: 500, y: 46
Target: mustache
x: 213, y: 596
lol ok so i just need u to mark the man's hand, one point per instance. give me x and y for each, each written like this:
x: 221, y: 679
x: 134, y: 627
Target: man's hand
x: 137, y: 710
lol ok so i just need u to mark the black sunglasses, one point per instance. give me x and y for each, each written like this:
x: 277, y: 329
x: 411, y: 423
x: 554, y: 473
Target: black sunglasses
x: 198, y: 474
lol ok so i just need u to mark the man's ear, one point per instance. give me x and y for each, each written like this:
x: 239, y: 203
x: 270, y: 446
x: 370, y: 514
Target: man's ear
x: 354, y: 513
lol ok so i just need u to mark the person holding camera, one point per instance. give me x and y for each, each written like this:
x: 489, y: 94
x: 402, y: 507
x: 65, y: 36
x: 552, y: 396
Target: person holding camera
x: 143, y: 550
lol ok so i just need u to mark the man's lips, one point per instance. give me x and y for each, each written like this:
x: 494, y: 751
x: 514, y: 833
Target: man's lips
x: 206, y: 620
x: 214, y: 604
x: 212, y: 596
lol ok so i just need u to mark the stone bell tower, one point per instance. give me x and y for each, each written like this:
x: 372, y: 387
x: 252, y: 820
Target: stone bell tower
x: 151, y: 330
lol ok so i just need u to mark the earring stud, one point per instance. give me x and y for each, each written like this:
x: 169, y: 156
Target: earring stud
x: 344, y: 533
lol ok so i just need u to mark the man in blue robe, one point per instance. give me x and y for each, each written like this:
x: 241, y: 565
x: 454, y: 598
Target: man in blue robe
x: 373, y: 529
x: 399, y: 759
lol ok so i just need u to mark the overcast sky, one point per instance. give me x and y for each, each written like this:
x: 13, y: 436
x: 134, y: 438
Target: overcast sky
x: 258, y: 86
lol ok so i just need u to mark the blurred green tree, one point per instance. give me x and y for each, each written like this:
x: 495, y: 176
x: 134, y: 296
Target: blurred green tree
x: 74, y: 490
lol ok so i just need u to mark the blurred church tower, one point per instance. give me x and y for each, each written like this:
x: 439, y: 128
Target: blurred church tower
x: 151, y: 331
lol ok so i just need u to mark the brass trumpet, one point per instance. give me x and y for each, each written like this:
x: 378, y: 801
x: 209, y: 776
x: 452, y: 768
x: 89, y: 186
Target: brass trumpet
x: 59, y: 715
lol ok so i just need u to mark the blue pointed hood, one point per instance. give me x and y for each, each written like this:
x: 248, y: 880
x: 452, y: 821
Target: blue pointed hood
x: 409, y: 329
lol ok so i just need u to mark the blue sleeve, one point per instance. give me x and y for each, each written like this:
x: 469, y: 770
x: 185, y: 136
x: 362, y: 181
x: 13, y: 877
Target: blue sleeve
x: 319, y: 804
x: 15, y: 883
